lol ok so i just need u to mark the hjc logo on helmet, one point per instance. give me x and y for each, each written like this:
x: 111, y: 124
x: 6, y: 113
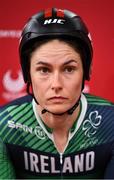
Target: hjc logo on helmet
x: 48, y: 14
x: 54, y: 21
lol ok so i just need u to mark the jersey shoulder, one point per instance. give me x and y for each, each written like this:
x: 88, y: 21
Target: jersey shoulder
x: 18, y: 111
x: 15, y: 108
x: 17, y: 102
x: 96, y: 100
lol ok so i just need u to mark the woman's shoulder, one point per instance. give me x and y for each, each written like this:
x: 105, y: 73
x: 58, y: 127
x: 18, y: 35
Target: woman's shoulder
x: 17, y: 102
x: 93, y: 99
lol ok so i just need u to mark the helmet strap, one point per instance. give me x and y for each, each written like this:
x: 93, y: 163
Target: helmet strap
x: 70, y: 111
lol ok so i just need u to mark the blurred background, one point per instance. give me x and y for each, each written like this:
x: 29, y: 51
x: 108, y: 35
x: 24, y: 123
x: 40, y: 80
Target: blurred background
x: 98, y: 16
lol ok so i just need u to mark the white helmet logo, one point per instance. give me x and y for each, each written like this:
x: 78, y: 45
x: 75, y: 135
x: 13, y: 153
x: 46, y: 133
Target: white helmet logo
x: 54, y: 21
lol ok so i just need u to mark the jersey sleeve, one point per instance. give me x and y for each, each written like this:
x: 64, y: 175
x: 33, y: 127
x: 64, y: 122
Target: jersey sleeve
x: 6, y: 168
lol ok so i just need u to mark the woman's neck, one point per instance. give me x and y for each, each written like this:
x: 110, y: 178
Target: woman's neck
x: 59, y: 122
x: 60, y: 126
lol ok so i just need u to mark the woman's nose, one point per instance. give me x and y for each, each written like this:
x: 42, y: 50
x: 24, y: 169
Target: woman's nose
x: 56, y: 81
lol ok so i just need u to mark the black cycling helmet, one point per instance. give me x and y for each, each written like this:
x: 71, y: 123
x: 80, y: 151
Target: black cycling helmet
x: 55, y: 23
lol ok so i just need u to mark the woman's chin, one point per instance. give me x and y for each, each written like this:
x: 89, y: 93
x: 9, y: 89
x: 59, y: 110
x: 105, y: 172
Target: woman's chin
x: 57, y: 110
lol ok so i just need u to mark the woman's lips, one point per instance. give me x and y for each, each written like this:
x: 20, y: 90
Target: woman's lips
x: 57, y: 99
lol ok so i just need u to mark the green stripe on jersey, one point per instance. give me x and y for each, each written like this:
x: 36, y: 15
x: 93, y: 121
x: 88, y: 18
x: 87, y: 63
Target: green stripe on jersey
x: 97, y: 100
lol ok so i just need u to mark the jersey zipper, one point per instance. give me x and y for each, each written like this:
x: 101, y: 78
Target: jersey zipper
x: 61, y: 158
x: 61, y: 165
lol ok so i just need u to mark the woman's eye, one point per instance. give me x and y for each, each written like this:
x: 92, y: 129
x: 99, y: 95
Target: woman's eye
x: 43, y: 70
x: 69, y: 69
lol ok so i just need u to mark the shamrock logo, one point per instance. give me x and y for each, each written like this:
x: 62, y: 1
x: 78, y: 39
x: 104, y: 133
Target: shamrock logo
x: 91, y: 124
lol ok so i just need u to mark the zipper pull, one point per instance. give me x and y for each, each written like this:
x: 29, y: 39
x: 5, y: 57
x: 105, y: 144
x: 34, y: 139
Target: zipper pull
x: 61, y: 158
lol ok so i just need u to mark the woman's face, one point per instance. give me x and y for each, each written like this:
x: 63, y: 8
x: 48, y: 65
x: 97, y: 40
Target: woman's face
x: 56, y: 74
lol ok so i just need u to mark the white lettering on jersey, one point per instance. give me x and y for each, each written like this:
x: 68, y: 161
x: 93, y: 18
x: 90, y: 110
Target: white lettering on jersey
x: 90, y: 156
x: 53, y: 169
x: 54, y: 21
x: 34, y: 162
x: 67, y: 166
x: 38, y: 131
x: 26, y: 160
x: 89, y: 162
x: 25, y: 128
x: 79, y: 163
x: 45, y: 164
x: 33, y: 166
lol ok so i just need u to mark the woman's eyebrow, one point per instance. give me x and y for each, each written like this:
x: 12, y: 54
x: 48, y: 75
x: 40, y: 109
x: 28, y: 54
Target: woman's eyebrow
x: 70, y: 61
x: 43, y: 63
